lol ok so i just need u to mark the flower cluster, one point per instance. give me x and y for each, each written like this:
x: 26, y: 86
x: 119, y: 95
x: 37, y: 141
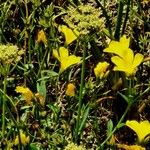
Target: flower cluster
x: 85, y: 18
x: 9, y: 54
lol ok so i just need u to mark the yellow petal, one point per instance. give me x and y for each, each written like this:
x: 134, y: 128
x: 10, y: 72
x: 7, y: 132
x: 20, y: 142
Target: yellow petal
x: 123, y: 65
x: 70, y: 35
x: 128, y: 56
x: 55, y: 54
x: 138, y: 59
x: 125, y: 41
x: 73, y: 59
x: 68, y: 61
x: 61, y: 53
x: 26, y: 93
x: 142, y: 129
x: 119, y: 62
x: 119, y: 48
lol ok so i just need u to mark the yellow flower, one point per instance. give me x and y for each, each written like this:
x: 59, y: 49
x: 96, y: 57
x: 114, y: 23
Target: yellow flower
x: 125, y: 60
x: 129, y: 65
x: 70, y: 35
x: 142, y: 129
x: 64, y: 58
x: 130, y: 147
x: 119, y: 48
x: 101, y: 70
x: 41, y: 37
x: 70, y: 90
x: 24, y: 139
x: 26, y: 93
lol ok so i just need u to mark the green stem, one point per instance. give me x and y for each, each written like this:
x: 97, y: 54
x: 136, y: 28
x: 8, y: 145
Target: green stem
x: 119, y: 20
x: 42, y: 63
x: 106, y: 16
x: 116, y: 127
x: 4, y: 103
x: 16, y: 124
x: 126, y: 17
x: 80, y: 95
x: 12, y: 103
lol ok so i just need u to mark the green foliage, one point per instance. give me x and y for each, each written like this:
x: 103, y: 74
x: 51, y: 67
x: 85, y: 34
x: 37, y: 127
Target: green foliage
x: 41, y: 115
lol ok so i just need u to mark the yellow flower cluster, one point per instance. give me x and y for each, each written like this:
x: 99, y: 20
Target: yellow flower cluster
x: 101, y: 70
x: 9, y: 54
x: 65, y: 60
x: 124, y: 58
x: 24, y: 139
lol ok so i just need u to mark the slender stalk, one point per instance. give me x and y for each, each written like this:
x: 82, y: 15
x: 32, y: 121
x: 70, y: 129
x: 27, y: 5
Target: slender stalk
x: 16, y: 124
x: 4, y: 103
x: 116, y: 127
x: 26, y: 34
x: 42, y: 63
x: 119, y: 20
x: 80, y: 94
x: 106, y: 16
x: 126, y: 17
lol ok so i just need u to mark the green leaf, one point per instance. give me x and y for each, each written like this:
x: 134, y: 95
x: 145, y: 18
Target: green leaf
x: 41, y: 88
x: 48, y: 74
x: 83, y: 119
x: 120, y: 125
x: 125, y: 97
x: 109, y: 127
x: 32, y: 146
x: 55, y: 109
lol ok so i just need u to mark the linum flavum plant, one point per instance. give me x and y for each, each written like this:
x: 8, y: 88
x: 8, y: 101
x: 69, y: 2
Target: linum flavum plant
x: 83, y: 80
